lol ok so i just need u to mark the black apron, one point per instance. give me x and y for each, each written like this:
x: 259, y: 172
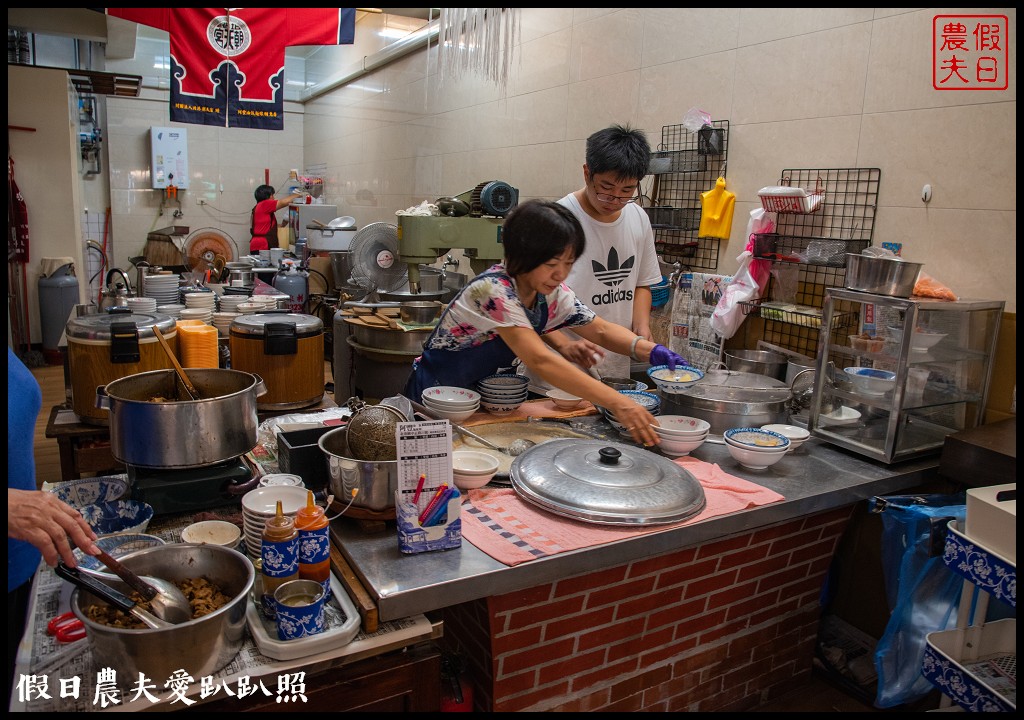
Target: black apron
x: 464, y: 368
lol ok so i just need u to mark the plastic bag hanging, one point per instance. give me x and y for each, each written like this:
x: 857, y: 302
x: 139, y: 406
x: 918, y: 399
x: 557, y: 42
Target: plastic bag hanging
x: 716, y: 210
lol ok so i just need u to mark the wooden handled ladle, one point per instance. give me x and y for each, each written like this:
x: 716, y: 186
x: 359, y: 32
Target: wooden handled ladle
x: 189, y: 387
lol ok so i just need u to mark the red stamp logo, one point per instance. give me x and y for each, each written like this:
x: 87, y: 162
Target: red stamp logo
x: 970, y: 52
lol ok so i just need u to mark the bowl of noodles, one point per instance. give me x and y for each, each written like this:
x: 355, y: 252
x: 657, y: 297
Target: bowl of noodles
x: 216, y: 580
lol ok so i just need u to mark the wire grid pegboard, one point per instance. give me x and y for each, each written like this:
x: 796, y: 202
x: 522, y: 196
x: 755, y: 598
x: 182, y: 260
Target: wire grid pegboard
x: 846, y: 213
x: 685, y: 165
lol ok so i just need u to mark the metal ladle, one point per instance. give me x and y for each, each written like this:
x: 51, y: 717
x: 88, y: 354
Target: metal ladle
x: 516, y: 448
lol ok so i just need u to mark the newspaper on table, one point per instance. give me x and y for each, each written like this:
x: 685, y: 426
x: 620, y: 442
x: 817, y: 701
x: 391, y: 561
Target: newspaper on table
x: 46, y: 670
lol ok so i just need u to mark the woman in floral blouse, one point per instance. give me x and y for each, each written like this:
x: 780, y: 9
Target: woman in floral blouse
x: 498, y: 319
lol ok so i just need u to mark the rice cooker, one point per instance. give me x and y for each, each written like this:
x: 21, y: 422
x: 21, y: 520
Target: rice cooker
x: 104, y: 347
x: 287, y: 351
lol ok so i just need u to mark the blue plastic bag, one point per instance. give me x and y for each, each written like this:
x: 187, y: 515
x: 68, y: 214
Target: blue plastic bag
x: 922, y: 592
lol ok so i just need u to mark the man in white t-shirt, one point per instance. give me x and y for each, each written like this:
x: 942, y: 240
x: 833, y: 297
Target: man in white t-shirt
x: 615, y: 272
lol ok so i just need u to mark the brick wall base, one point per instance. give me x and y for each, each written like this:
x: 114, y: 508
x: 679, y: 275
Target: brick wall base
x: 724, y: 626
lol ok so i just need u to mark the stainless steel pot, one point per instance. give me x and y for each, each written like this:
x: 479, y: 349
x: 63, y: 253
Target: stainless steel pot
x: 201, y: 646
x: 384, y: 338
x: 762, y: 362
x: 146, y: 431
x: 881, y: 275
x: 419, y: 312
x: 374, y: 482
x: 728, y: 399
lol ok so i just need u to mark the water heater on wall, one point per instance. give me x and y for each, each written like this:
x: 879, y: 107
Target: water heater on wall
x: 169, y: 158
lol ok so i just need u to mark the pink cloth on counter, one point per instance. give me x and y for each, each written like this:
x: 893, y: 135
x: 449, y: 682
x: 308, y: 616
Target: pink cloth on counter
x: 513, y: 531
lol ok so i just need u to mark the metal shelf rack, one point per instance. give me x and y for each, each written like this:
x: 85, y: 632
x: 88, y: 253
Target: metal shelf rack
x: 817, y: 242
x: 685, y: 165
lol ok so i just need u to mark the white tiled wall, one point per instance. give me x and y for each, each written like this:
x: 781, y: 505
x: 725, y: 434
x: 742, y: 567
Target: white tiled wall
x: 808, y: 87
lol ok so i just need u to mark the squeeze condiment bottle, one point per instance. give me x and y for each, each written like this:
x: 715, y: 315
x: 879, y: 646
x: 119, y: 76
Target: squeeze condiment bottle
x: 279, y: 555
x: 314, y: 544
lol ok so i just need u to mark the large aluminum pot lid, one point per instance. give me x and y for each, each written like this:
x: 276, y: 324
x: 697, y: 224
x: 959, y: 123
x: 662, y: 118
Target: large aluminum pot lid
x: 606, y: 482
x: 256, y: 323
x: 97, y: 326
x: 738, y: 386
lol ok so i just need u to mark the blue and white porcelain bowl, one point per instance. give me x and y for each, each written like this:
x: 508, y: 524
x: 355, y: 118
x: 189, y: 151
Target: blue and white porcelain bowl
x: 871, y: 381
x: 674, y: 381
x: 504, y: 382
x: 115, y: 546
x: 118, y: 516
x: 89, y: 491
x: 757, y: 440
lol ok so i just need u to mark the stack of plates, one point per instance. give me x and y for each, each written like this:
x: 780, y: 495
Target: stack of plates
x: 146, y: 305
x: 230, y: 303
x: 268, y: 302
x: 162, y: 288
x: 204, y: 315
x: 173, y: 310
x: 260, y: 504
x: 222, y: 321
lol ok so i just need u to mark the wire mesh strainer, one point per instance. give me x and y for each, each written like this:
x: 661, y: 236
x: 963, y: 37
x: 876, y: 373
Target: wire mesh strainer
x: 371, y: 431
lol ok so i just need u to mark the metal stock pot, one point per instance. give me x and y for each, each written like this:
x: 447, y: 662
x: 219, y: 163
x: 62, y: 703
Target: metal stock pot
x: 150, y: 428
x: 728, y: 399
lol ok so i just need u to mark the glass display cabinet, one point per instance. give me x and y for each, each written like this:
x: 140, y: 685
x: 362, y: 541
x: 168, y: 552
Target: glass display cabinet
x: 897, y: 375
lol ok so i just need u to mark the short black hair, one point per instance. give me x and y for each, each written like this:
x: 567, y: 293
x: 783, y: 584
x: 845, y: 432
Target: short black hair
x: 536, y: 231
x: 619, y: 149
x: 264, y: 192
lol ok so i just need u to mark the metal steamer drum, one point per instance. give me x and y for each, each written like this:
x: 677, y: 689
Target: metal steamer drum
x: 108, y: 346
x: 287, y: 351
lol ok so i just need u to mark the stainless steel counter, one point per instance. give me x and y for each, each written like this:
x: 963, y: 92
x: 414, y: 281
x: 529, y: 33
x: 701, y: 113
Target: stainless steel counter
x: 816, y: 478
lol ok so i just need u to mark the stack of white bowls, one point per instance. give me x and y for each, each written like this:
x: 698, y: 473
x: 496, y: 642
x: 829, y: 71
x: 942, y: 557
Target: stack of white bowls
x: 679, y: 435
x: 754, y: 448
x: 647, y: 400
x: 162, y: 288
x: 222, y: 321
x: 142, y: 305
x: 230, y: 303
x: 450, y: 402
x: 503, y: 394
x: 260, y: 505
x: 199, y: 306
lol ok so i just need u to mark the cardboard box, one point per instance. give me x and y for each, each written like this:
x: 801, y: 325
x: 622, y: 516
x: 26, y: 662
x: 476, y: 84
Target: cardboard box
x: 992, y: 519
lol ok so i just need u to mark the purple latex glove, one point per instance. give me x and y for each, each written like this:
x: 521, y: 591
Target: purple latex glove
x: 661, y: 355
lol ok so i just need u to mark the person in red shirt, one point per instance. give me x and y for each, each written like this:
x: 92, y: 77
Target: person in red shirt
x: 263, y: 225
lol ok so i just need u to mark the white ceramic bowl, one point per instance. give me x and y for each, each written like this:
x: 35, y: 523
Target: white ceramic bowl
x: 263, y: 501
x: 213, y: 532
x: 451, y: 407
x: 563, y: 400
x: 871, y: 381
x: 922, y: 340
x: 754, y: 459
x: 504, y: 382
x: 472, y: 469
x: 678, y: 447
x: 682, y: 426
x: 456, y: 415
x: 451, y: 396
x: 756, y: 439
x: 797, y: 435
x: 674, y: 381
x: 488, y: 394
x: 500, y: 408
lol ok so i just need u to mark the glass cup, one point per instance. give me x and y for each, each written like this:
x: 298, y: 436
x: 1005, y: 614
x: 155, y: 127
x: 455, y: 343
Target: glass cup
x: 300, y: 609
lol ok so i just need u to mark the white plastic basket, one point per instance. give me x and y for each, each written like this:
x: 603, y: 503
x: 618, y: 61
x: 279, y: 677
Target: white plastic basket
x: 786, y: 199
